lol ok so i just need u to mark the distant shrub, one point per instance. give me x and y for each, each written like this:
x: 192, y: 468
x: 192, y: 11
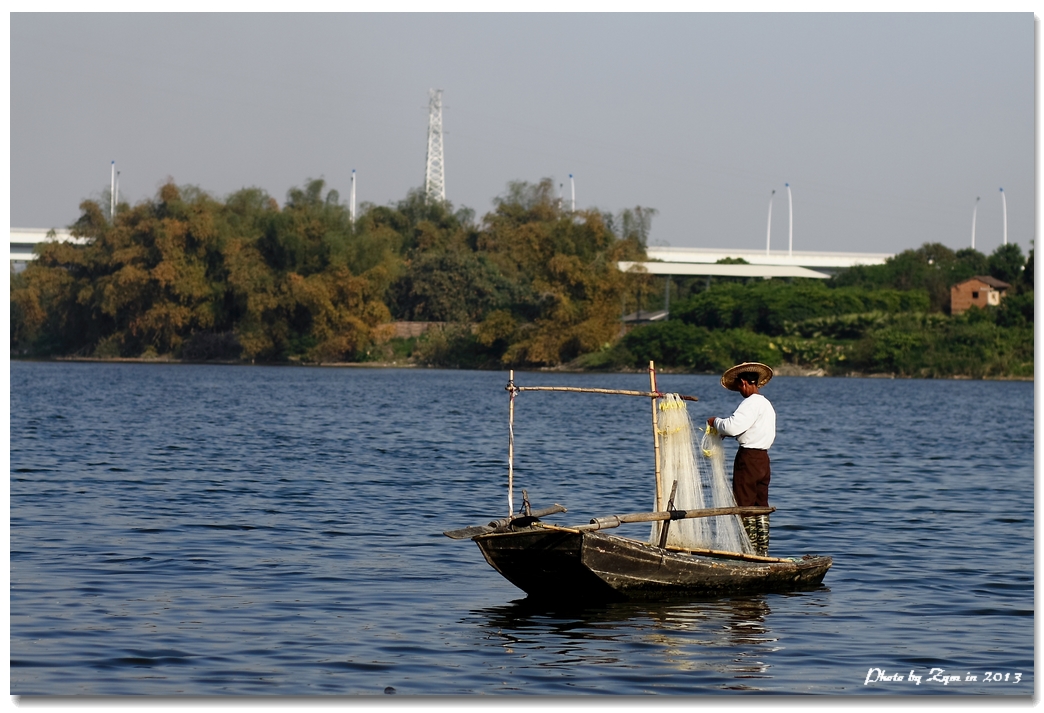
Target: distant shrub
x: 211, y: 346
x: 677, y: 344
x: 1016, y: 310
x: 972, y: 345
x: 768, y: 307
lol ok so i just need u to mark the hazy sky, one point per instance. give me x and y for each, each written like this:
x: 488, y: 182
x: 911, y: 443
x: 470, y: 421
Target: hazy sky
x: 887, y: 126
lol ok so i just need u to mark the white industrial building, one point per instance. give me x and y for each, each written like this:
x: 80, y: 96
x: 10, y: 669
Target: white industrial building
x: 23, y: 240
x: 761, y: 263
x: 688, y: 262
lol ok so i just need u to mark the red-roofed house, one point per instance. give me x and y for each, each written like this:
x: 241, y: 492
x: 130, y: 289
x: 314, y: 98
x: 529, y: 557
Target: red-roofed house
x: 981, y: 290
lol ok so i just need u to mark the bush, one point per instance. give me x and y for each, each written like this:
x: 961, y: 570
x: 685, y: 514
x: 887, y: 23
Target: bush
x: 971, y: 345
x: 211, y: 346
x: 1016, y: 310
x: 677, y: 344
x: 768, y: 307
x: 454, y: 346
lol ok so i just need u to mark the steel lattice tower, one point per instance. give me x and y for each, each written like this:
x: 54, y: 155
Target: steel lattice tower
x: 434, y: 173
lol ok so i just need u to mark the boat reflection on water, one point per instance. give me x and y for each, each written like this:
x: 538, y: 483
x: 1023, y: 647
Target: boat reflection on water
x: 727, y: 643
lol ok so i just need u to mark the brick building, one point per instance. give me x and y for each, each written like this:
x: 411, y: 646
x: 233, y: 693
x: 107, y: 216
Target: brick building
x: 980, y: 291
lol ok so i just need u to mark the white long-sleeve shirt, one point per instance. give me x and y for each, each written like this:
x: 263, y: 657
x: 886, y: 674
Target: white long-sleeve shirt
x: 753, y: 424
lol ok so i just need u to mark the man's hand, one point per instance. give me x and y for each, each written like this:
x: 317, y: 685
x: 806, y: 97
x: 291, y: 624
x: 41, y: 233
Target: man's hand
x: 710, y: 421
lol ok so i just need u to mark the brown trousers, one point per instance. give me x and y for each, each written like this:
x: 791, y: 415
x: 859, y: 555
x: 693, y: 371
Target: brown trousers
x: 750, y: 477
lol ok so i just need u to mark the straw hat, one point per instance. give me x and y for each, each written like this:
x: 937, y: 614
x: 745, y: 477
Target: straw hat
x: 728, y: 379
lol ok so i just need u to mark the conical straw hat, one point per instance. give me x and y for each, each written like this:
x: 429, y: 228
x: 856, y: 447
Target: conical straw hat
x: 728, y: 379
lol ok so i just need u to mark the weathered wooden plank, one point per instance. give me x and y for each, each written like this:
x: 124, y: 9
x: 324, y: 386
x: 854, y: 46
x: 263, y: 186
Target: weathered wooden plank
x: 665, y: 527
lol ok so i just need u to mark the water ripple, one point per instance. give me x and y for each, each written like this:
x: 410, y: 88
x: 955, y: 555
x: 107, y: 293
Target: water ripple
x: 252, y: 531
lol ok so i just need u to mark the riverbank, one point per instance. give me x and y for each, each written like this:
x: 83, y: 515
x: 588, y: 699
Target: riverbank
x: 781, y: 370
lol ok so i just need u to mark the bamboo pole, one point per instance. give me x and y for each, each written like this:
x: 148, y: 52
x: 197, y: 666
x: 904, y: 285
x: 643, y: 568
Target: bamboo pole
x: 685, y: 550
x: 656, y: 436
x: 611, y: 521
x: 556, y: 528
x: 511, y: 441
x: 585, y: 390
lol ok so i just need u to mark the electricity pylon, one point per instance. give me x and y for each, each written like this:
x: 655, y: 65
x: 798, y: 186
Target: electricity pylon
x: 434, y: 173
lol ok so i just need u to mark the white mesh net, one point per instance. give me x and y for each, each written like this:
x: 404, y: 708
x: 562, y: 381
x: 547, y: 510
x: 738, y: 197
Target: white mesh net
x: 729, y: 534
x: 678, y: 463
x: 702, y: 483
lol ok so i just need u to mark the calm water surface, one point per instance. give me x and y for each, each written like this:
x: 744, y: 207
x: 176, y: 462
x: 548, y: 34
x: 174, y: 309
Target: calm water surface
x: 183, y: 529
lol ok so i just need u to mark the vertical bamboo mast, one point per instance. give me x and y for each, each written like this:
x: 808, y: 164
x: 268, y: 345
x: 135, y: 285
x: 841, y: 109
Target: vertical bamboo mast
x: 511, y: 442
x: 656, y: 437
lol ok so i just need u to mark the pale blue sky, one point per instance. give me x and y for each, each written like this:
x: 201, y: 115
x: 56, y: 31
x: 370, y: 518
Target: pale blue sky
x: 887, y: 126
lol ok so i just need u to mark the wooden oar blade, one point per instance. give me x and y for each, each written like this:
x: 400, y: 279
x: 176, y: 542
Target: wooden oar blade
x: 465, y: 533
x: 519, y: 520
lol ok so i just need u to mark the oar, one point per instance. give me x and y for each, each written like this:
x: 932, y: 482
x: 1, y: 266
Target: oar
x: 503, y: 522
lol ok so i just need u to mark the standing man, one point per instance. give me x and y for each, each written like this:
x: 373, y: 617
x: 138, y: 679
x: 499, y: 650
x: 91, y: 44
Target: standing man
x: 754, y: 426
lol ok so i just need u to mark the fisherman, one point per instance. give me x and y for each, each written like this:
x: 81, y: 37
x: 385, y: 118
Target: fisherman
x: 754, y: 426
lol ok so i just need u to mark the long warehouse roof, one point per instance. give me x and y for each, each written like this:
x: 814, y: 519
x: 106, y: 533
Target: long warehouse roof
x: 802, y: 258
x: 684, y: 268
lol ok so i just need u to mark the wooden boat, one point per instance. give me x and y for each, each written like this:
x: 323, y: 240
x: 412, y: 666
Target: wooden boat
x: 546, y: 563
x: 583, y: 562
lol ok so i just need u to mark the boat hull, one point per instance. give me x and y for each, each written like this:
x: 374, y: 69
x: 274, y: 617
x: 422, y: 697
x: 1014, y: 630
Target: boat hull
x: 547, y: 563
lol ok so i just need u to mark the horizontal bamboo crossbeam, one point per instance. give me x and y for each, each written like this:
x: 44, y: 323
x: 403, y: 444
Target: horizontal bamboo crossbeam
x: 605, y: 523
x: 584, y: 390
x: 685, y: 550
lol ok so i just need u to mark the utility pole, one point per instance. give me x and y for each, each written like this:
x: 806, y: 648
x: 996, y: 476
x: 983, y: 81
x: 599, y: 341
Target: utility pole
x: 351, y: 202
x: 572, y: 189
x: 434, y: 172
x: 768, y: 232
x: 974, y: 211
x: 112, y: 193
x: 1004, y: 205
x: 790, y: 202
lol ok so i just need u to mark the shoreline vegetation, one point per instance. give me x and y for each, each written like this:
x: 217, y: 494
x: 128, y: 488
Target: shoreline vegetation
x: 782, y: 370
x: 188, y: 278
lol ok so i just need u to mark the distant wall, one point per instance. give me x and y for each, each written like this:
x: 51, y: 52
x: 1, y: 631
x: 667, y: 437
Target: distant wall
x: 405, y: 330
x: 973, y: 292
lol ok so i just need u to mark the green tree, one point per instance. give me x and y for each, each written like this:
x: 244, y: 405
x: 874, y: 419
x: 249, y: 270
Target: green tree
x: 568, y: 260
x: 969, y: 263
x: 1006, y: 263
x: 185, y: 267
x: 451, y: 286
x: 1027, y: 272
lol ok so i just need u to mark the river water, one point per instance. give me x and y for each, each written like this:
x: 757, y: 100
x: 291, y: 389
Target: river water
x: 190, y: 529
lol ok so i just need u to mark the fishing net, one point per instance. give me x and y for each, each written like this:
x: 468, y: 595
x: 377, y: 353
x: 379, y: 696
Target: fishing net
x: 729, y: 534
x: 678, y: 463
x: 702, y: 483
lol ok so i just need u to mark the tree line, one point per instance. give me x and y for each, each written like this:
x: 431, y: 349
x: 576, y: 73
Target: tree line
x: 188, y: 276
x: 892, y: 318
